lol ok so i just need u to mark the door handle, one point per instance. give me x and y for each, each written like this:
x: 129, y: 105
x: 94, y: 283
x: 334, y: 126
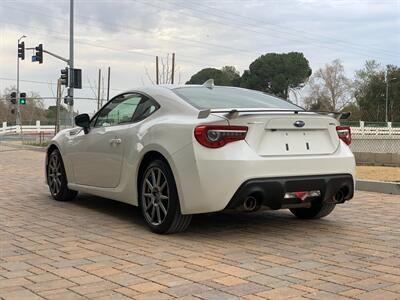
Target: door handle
x: 116, y: 141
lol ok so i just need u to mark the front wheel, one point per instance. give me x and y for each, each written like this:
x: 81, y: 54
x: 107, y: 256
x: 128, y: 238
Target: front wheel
x: 316, y: 211
x: 159, y: 200
x: 57, y: 178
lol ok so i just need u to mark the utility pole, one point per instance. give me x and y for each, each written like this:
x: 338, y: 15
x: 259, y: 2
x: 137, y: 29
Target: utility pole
x: 387, y: 95
x: 71, y: 58
x: 58, y: 103
x: 102, y: 92
x: 157, y: 79
x: 173, y: 68
x: 98, y: 90
x: 18, y: 116
x: 108, y: 84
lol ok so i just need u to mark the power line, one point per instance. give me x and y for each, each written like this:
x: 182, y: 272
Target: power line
x: 361, y: 48
x: 49, y: 98
x: 180, y: 39
x: 121, y: 29
x: 291, y: 29
x: 193, y: 62
x: 336, y: 48
x: 46, y: 82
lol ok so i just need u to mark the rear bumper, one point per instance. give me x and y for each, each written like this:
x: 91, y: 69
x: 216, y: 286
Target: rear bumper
x: 271, y: 191
x: 207, y: 180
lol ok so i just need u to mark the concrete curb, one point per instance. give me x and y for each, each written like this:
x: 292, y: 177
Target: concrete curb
x: 378, y: 187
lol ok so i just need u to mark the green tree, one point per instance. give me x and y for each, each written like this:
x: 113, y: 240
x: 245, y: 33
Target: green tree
x: 370, y: 92
x: 232, y: 74
x: 277, y: 73
x: 228, y: 75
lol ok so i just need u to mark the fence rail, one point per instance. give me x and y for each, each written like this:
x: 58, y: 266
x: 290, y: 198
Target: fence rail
x: 27, y: 129
x: 357, y: 128
x: 366, y: 130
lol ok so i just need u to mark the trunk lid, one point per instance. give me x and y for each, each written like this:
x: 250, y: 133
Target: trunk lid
x: 281, y: 133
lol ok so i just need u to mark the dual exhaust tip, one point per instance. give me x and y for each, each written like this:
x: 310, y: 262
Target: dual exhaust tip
x: 252, y: 203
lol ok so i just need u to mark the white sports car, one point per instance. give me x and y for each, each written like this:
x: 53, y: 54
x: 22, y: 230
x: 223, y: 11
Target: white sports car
x: 176, y: 151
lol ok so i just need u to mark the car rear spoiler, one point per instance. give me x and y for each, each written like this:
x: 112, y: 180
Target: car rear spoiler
x: 231, y: 113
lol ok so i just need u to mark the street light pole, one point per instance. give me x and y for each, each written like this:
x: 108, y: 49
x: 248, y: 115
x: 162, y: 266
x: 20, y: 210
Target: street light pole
x: 71, y: 58
x: 387, y: 95
x: 18, y: 116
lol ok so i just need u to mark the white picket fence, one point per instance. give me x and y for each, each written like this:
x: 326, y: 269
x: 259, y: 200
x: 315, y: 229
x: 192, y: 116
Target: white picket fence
x: 357, y: 131
x: 363, y: 130
x: 27, y: 129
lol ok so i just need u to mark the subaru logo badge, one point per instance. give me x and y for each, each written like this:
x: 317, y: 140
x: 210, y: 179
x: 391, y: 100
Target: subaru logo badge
x: 299, y: 123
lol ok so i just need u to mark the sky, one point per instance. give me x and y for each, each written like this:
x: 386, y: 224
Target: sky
x: 126, y: 35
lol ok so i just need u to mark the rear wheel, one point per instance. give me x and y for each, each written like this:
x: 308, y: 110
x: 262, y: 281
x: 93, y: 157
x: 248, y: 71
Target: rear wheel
x: 57, y: 178
x: 316, y: 211
x: 159, y: 200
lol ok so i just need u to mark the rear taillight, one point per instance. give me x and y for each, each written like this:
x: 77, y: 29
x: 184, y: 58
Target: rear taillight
x: 216, y: 136
x: 344, y: 134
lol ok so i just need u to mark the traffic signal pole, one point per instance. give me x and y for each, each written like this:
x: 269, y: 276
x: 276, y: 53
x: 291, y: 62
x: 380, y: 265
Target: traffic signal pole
x: 71, y: 59
x: 18, y: 119
x: 71, y: 82
x: 18, y: 115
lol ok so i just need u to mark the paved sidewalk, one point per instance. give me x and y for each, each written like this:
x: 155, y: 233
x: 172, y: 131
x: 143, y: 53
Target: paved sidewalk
x: 100, y: 249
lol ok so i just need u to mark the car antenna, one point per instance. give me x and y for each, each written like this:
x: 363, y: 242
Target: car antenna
x: 209, y: 84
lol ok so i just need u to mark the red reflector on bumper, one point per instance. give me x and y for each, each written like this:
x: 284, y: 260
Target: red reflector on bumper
x: 302, y: 195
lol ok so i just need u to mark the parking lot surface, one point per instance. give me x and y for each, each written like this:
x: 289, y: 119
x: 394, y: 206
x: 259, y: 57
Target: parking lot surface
x: 101, y: 249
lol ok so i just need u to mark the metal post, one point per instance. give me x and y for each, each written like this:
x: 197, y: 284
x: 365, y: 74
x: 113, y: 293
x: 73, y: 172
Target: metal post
x: 108, y: 84
x: 98, y: 90
x: 57, y: 129
x: 18, y: 119
x: 387, y: 95
x: 18, y: 116
x: 157, y: 70
x: 71, y: 56
x: 173, y: 68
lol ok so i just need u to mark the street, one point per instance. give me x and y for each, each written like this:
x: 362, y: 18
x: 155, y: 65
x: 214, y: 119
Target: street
x: 102, y: 249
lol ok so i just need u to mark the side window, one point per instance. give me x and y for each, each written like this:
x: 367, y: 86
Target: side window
x: 119, y: 111
x: 146, y: 107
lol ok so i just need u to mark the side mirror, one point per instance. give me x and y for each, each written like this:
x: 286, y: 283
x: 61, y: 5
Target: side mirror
x: 83, y: 120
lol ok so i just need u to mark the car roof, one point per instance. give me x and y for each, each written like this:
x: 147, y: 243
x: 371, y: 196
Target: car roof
x: 161, y: 87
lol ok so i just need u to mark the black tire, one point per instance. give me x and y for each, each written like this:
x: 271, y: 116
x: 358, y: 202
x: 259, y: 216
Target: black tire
x: 153, y: 192
x: 58, y: 187
x: 316, y: 211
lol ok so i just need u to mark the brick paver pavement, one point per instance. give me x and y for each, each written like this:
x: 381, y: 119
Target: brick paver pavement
x: 98, y: 248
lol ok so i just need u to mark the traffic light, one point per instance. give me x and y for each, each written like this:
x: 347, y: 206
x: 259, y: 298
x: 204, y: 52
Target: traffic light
x: 39, y: 54
x: 64, y: 77
x: 21, y: 50
x: 13, y: 97
x: 77, y: 78
x: 22, y: 98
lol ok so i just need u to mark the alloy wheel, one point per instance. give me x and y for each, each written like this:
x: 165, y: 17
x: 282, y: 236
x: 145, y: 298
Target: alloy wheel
x: 54, y: 174
x: 155, y: 196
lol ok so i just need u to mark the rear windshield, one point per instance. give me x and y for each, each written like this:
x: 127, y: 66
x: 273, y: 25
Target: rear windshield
x: 230, y: 97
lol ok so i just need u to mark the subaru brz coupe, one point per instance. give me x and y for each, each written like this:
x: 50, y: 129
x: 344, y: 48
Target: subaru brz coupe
x: 176, y: 151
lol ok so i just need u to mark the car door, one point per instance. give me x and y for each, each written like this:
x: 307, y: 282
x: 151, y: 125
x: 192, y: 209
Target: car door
x: 99, y: 156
